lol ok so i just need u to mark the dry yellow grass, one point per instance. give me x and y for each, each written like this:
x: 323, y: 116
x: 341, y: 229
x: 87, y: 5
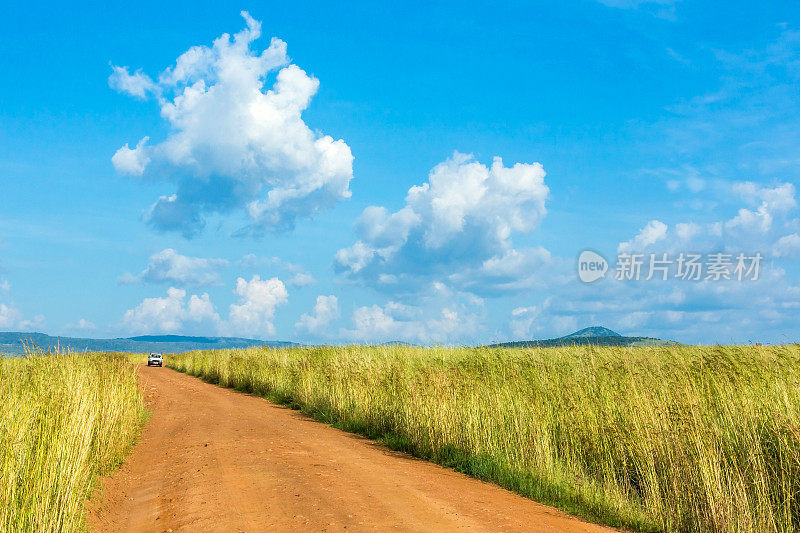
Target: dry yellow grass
x: 672, y: 439
x: 64, y: 420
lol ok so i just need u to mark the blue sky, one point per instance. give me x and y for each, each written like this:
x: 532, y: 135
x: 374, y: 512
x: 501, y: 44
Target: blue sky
x: 351, y: 168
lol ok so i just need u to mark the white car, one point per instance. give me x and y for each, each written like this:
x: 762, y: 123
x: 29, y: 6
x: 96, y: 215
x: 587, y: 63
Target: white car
x: 155, y: 359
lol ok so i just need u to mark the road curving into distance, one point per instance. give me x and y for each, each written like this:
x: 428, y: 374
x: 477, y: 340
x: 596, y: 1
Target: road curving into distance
x: 213, y: 459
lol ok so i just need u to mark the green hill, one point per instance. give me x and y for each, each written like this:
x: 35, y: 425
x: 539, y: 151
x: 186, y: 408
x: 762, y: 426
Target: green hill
x: 14, y: 342
x: 594, y: 336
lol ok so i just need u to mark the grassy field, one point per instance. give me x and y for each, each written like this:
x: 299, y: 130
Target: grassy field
x: 64, y: 419
x: 654, y: 439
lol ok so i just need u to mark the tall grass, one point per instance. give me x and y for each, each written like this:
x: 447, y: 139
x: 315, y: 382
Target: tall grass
x: 654, y: 439
x: 64, y: 419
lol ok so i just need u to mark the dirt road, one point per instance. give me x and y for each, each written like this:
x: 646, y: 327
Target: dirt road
x: 212, y: 459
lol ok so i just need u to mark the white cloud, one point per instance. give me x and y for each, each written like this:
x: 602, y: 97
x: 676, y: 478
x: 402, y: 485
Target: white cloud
x: 132, y: 161
x: 137, y: 84
x: 759, y: 221
x: 723, y: 311
x: 461, y: 219
x: 682, y: 177
x: 200, y: 310
x: 523, y: 319
x: 171, y: 314
x: 779, y: 198
x: 168, y: 266
x: 234, y: 144
x: 12, y: 319
x: 252, y: 315
x: 325, y: 311
x: 256, y: 308
x: 82, y: 325
x: 770, y: 201
x: 512, y: 272
x: 787, y: 246
x: 438, y: 317
x: 685, y: 231
x: 704, y: 311
x: 545, y: 320
x: 377, y: 323
x: 755, y: 229
x: 297, y: 275
x: 301, y: 279
x: 254, y: 262
x: 398, y: 322
x: 653, y: 232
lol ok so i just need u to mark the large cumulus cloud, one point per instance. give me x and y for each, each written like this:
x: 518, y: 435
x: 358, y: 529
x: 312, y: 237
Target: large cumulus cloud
x: 172, y: 314
x: 325, y: 311
x: 456, y: 228
x: 234, y: 143
x: 254, y: 312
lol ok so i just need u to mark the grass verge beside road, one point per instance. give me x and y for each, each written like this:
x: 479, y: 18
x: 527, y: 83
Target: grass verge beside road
x: 652, y: 439
x: 64, y: 420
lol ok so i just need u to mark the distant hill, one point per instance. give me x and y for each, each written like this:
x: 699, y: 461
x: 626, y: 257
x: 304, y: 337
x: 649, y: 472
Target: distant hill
x: 594, y: 331
x: 14, y: 343
x: 594, y: 336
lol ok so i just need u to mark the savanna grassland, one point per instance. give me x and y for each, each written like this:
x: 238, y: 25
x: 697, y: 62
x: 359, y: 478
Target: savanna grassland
x: 652, y: 439
x: 64, y: 420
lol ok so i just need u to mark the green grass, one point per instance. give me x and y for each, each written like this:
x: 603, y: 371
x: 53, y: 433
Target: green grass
x: 654, y: 439
x: 64, y: 419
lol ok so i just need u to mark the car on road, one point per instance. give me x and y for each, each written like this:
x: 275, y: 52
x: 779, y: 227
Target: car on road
x: 155, y: 359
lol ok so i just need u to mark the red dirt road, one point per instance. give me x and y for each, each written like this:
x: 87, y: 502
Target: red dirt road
x: 212, y: 459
